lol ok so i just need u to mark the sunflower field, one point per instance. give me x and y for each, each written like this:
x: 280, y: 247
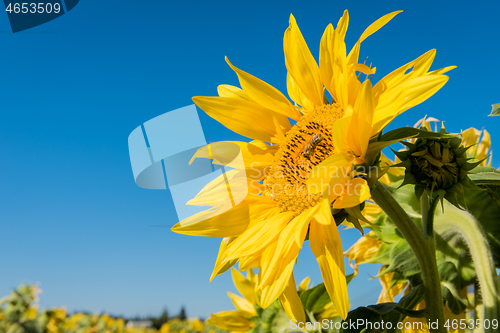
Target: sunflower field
x: 19, y: 313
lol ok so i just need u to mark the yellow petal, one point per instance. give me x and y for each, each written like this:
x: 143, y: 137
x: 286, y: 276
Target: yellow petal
x: 250, y: 261
x: 266, y: 258
x: 378, y: 24
x: 226, y: 221
x: 363, y: 250
x: 301, y: 64
x: 265, y: 94
x: 480, y: 145
x: 304, y: 284
x: 343, y: 24
x: 333, y: 65
x: 387, y: 295
x: 222, y: 265
x: 245, y: 286
x: 328, y: 312
x: 226, y: 90
x: 277, y: 266
x: 291, y: 302
x: 241, y: 304
x: 237, y: 154
x: 470, y: 136
x: 399, y: 75
x: 244, y: 117
x: 372, y: 28
x: 484, y: 147
x: 372, y: 210
x: 442, y: 70
x: 340, y: 133
x: 231, y: 185
x: 258, y: 236
x: 296, y: 94
x: 363, y: 69
x: 324, y: 213
x: 412, y: 92
x: 326, y: 61
x: 356, y: 191
x: 361, y: 122
x: 233, y: 321
x: 249, y: 160
x: 327, y: 248
x: 332, y: 168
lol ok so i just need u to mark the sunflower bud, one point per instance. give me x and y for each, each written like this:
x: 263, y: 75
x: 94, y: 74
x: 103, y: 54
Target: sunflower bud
x: 438, y: 165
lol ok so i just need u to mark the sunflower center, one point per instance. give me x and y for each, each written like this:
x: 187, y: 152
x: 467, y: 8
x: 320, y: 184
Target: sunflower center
x: 306, y: 145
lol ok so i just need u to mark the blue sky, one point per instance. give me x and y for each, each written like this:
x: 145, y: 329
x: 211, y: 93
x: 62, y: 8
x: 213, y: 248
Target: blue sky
x: 71, y: 216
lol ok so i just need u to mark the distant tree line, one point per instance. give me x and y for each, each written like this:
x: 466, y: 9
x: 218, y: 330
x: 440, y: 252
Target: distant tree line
x: 164, y: 317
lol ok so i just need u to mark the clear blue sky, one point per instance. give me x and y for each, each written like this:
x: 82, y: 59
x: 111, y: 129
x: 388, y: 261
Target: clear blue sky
x: 71, y: 216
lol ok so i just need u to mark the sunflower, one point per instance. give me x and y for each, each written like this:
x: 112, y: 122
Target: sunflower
x: 291, y: 199
x: 249, y: 315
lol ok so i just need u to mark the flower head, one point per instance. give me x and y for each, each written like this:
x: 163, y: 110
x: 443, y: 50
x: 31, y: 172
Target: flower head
x: 441, y: 165
x: 302, y: 174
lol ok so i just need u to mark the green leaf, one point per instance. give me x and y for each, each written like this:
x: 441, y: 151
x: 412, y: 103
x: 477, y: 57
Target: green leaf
x: 388, y: 312
x: 371, y: 313
x: 495, y: 111
x: 486, y: 178
x: 268, y: 314
x: 403, y: 260
x: 404, y: 133
x: 480, y: 169
x: 450, y: 287
x: 273, y: 319
x: 413, y: 298
x: 485, y: 207
x: 315, y: 301
x: 317, y: 298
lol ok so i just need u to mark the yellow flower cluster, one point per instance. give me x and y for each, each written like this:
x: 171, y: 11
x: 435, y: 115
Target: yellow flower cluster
x: 18, y: 314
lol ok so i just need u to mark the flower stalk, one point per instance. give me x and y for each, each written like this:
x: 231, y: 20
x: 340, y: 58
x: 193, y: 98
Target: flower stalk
x: 471, y: 231
x: 424, y: 250
x: 424, y: 207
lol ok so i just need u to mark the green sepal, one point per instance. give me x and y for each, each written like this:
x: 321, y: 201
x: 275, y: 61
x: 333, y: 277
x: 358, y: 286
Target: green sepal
x: 409, y: 179
x: 455, y: 195
x: 402, y: 154
x: 355, y: 222
x: 469, y: 166
x: 419, y: 190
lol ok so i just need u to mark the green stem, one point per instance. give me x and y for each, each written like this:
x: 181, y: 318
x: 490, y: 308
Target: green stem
x: 428, y: 215
x: 471, y: 231
x: 424, y: 207
x: 425, y: 253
